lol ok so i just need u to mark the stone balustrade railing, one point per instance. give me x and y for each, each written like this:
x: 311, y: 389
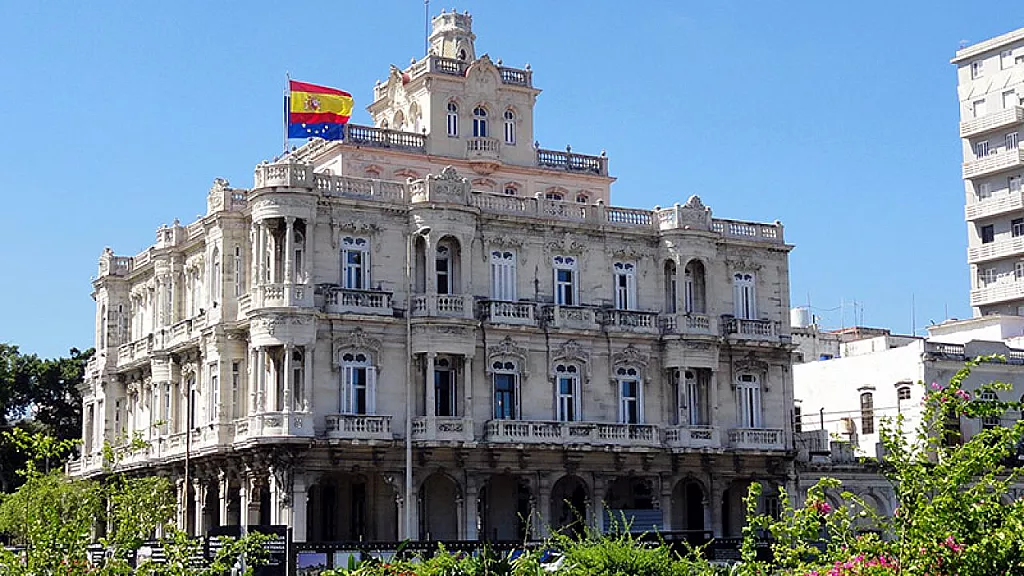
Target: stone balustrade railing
x: 749, y: 329
x: 554, y: 432
x: 442, y: 429
x: 499, y: 312
x: 757, y: 439
x: 449, y: 305
x: 693, y: 437
x: 339, y: 300
x: 358, y: 426
x: 691, y: 323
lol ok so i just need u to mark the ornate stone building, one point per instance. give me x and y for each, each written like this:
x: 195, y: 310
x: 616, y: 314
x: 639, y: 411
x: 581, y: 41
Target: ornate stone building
x: 438, y: 283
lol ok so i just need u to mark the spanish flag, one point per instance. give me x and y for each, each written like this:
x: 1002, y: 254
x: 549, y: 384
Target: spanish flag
x: 317, y: 111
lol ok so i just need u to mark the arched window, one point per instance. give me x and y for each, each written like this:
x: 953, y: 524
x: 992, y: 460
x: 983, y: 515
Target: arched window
x: 510, y: 127
x: 299, y: 247
x: 631, y: 401
x: 624, y: 277
x: 298, y: 379
x: 867, y: 413
x: 697, y: 382
x: 565, y: 280
x: 399, y: 120
x: 552, y: 195
x: 748, y: 401
x: 567, y: 393
x: 693, y: 287
x: 462, y: 54
x: 582, y: 198
x: 480, y: 122
x: 443, y: 265
x: 445, y: 388
x: 384, y: 123
x: 744, y: 296
x: 355, y: 257
x: 671, y: 287
x: 510, y: 190
x: 505, y: 377
x: 358, y: 384
x: 453, y: 119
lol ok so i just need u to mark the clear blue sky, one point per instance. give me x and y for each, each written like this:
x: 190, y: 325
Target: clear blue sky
x: 837, y: 118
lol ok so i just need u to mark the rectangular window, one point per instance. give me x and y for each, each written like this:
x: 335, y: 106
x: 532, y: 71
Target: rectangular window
x: 505, y: 396
x: 1010, y: 141
x: 1018, y: 270
x: 988, y: 234
x: 697, y: 402
x: 981, y: 149
x: 989, y: 422
x: 1017, y: 227
x: 445, y: 392
x: 236, y: 383
x: 1018, y: 60
x: 867, y: 413
x: 798, y: 425
x: 503, y: 275
x: 565, y: 287
x: 1010, y: 99
x: 239, y: 275
x: 1005, y: 59
x: 214, y: 407
x: 977, y: 69
x: 359, y: 391
x: 748, y: 401
x: 1014, y: 183
x: 118, y: 421
x: 988, y: 276
x: 984, y: 190
x: 443, y: 266
x: 629, y: 401
x: 625, y: 285
x: 978, y: 108
x: 903, y: 393
x: 568, y: 398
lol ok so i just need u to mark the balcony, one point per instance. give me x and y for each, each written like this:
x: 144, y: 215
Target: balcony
x: 517, y: 313
x: 482, y: 148
x: 284, y: 296
x: 813, y: 441
x: 1001, y: 248
x: 384, y: 138
x: 748, y: 329
x: 756, y: 439
x: 993, y: 163
x: 693, y: 437
x: 994, y: 206
x: 346, y: 301
x: 442, y: 429
x: 571, y: 317
x: 591, y: 433
x: 989, y: 122
x: 1006, y: 287
x: 274, y: 424
x: 442, y: 305
x: 134, y: 351
x: 571, y: 162
x: 631, y: 321
x: 358, y: 427
x: 244, y: 305
x: 687, y: 324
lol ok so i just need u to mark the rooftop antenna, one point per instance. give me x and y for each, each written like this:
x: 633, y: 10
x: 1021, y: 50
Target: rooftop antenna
x: 426, y: 27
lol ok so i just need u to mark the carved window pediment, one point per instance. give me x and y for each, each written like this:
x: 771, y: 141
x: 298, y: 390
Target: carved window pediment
x: 630, y: 356
x: 507, y: 349
x: 355, y: 340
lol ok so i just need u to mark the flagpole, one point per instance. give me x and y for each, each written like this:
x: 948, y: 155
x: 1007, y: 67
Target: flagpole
x: 287, y: 107
x: 426, y: 27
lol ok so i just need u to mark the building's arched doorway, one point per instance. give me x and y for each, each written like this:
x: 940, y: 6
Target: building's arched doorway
x: 629, y: 505
x: 569, y: 501
x: 505, y: 508
x: 688, y: 506
x: 439, y: 514
x: 351, y: 507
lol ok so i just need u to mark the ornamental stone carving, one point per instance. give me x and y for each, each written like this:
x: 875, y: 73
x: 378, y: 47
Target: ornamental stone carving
x: 694, y: 214
x: 356, y: 340
x: 270, y: 324
x: 568, y: 243
x: 508, y: 349
x: 573, y: 351
x: 630, y: 356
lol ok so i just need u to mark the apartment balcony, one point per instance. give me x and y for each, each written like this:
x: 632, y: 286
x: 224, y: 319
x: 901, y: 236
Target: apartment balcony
x: 1001, y: 248
x: 631, y: 321
x: 516, y: 313
x: 571, y: 317
x: 990, y: 122
x: 346, y: 301
x: 744, y: 329
x: 994, y: 163
x: 572, y: 162
x: 590, y: 433
x: 443, y: 305
x: 1005, y: 288
x: 482, y: 148
x: 757, y: 439
x: 244, y: 305
x: 442, y: 429
x: 134, y: 351
x: 688, y: 324
x: 284, y: 296
x: 693, y: 437
x: 358, y: 427
x: 994, y: 206
x: 813, y: 441
x: 274, y: 424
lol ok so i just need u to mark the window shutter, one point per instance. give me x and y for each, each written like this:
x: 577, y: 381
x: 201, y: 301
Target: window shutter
x: 346, y: 385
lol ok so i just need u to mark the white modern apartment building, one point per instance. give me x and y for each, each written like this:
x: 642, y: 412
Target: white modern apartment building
x: 990, y: 85
x: 437, y: 285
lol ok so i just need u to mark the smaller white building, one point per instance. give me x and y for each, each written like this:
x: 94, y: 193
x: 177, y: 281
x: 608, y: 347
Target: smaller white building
x: 880, y: 375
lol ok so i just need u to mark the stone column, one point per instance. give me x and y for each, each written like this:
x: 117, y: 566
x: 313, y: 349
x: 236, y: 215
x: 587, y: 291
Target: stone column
x: 460, y: 516
x: 400, y: 510
x: 200, y: 509
x: 467, y: 407
x: 542, y: 509
x: 254, y: 382
x: 717, y: 521
x: 261, y: 262
x: 181, y: 494
x: 430, y: 410
x: 430, y: 264
x: 472, y: 515
x: 289, y: 250
x: 261, y: 379
x: 286, y: 385
x: 300, y: 493
x: 667, y: 509
x: 713, y: 411
x: 223, y: 488
x: 306, y: 400
x: 254, y: 261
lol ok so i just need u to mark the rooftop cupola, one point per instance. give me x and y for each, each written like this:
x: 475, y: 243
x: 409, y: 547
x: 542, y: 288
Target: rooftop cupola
x: 452, y: 36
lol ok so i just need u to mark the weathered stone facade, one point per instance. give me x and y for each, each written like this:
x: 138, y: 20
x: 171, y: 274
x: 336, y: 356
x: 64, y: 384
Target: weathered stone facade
x: 555, y: 353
